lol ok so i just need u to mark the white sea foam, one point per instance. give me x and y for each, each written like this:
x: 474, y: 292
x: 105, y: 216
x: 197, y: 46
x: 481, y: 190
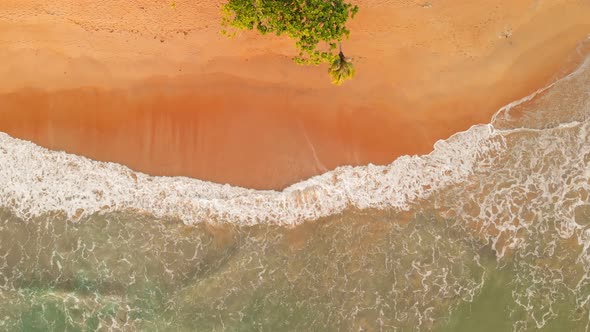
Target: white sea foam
x: 531, y: 205
x: 504, y: 112
x: 35, y: 180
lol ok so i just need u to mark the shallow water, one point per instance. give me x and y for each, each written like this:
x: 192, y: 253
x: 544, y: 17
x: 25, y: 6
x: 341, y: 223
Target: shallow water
x: 123, y: 271
x: 361, y: 270
x: 491, y: 232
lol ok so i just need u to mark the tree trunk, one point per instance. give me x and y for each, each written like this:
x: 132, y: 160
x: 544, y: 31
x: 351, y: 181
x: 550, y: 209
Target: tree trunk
x: 341, y: 55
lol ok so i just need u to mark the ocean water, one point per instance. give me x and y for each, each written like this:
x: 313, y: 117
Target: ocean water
x: 489, y: 232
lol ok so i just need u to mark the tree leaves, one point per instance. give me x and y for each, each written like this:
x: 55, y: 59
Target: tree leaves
x: 309, y: 22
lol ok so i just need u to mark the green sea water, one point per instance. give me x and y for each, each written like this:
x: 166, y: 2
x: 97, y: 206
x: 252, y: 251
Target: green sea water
x: 358, y: 271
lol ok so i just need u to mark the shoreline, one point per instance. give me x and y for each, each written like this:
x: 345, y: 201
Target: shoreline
x: 244, y: 114
x: 80, y: 187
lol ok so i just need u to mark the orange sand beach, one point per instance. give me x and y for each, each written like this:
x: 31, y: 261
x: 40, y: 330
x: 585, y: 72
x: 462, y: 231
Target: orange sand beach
x: 160, y: 90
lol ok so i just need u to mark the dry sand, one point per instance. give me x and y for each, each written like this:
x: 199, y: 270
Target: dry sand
x: 160, y: 90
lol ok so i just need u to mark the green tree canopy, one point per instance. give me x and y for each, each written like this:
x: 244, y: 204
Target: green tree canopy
x: 309, y: 22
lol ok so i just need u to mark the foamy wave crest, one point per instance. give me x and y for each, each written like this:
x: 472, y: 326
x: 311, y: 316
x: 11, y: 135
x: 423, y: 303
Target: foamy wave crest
x: 35, y: 180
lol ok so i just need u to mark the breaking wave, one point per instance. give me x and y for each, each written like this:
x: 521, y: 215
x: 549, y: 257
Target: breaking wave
x: 36, y: 180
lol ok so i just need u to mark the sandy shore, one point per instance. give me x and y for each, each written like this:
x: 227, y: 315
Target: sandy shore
x: 160, y: 90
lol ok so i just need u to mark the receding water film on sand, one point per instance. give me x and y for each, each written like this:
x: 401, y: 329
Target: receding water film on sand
x: 184, y: 179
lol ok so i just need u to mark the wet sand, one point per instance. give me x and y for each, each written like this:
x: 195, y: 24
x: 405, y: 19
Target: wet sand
x: 161, y: 91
